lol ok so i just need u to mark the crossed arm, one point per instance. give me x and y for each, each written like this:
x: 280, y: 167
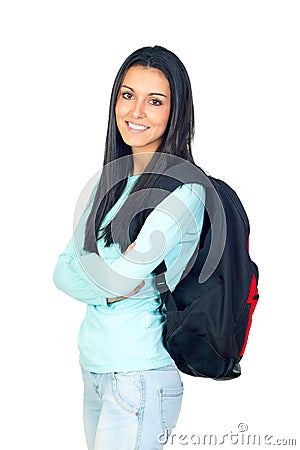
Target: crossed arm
x: 94, y: 280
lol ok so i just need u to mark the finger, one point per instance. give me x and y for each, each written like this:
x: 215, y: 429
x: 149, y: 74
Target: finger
x: 135, y: 290
x: 131, y: 293
x: 114, y: 299
x: 129, y: 247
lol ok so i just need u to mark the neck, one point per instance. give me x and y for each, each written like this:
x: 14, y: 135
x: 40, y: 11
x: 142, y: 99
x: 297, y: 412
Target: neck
x: 140, y: 162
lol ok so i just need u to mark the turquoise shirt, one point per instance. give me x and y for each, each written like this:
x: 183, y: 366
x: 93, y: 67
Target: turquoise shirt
x: 127, y: 335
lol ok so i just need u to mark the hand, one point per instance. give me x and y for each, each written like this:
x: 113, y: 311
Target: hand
x: 135, y: 290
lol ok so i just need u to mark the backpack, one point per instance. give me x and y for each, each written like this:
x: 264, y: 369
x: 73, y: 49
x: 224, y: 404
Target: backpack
x: 208, y: 317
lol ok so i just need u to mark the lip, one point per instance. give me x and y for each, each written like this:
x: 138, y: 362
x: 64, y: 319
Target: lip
x: 136, y: 131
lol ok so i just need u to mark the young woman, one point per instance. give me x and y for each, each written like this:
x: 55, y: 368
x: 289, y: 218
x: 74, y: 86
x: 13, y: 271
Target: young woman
x: 132, y: 388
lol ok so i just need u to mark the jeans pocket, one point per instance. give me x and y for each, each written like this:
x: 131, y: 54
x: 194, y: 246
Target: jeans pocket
x: 170, y: 405
x: 126, y: 387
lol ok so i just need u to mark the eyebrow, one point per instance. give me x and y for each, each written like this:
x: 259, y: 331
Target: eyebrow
x: 151, y: 93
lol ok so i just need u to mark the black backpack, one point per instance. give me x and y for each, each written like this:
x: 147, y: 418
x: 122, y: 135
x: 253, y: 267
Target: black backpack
x: 209, y: 313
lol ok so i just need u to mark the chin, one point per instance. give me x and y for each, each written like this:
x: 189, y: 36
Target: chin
x: 133, y: 142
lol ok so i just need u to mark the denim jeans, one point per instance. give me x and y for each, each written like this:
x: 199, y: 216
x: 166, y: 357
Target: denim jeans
x: 131, y: 410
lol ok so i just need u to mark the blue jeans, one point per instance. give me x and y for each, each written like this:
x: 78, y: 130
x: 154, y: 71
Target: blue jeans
x: 131, y: 410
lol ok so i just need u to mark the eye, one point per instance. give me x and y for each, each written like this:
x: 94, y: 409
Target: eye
x: 127, y: 95
x: 155, y: 102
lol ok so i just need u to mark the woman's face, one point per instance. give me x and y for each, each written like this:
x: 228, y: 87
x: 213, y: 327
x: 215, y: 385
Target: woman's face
x: 143, y: 108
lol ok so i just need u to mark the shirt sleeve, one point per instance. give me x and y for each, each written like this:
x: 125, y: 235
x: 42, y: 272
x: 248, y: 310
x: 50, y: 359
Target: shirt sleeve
x: 66, y: 278
x: 177, y: 218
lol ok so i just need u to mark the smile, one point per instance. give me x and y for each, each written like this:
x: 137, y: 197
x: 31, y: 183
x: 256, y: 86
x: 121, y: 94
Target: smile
x: 136, y: 128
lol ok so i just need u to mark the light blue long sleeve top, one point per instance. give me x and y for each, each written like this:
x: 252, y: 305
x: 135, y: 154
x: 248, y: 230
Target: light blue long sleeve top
x: 127, y: 335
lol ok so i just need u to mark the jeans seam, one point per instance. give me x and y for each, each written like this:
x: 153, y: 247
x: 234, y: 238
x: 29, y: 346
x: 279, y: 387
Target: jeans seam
x: 165, y: 393
x: 141, y: 411
x: 96, y: 379
x: 162, y: 418
x: 118, y: 399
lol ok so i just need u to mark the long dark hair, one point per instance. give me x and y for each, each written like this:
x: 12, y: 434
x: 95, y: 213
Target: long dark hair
x: 118, y: 164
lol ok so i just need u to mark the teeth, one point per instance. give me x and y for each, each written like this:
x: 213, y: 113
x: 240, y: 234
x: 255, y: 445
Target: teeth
x: 134, y: 126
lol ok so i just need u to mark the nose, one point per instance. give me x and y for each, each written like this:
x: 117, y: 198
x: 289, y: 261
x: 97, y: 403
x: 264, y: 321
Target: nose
x: 138, y: 110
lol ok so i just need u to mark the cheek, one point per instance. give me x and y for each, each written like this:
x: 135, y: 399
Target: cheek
x: 117, y: 111
x: 119, y: 115
x: 165, y: 118
x: 120, y: 109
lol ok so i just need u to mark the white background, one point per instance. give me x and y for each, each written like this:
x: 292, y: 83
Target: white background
x: 59, y: 60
